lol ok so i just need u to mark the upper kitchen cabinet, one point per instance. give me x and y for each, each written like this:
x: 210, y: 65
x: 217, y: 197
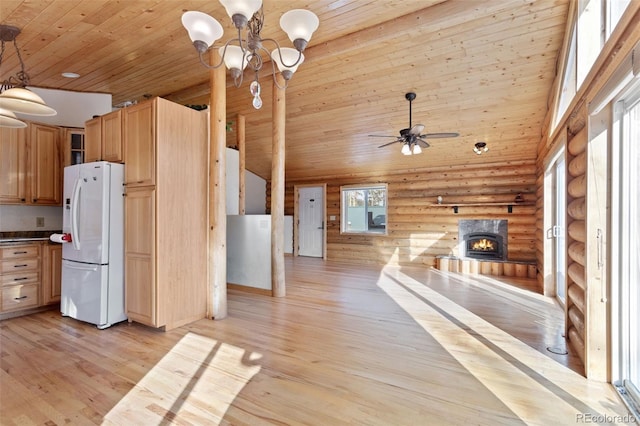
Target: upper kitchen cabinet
x: 13, y: 165
x: 140, y: 143
x: 45, y: 163
x: 31, y: 163
x: 103, y: 138
x: 72, y: 146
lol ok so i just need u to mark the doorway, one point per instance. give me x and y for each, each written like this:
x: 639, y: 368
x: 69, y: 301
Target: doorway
x: 309, y: 221
x: 556, y: 212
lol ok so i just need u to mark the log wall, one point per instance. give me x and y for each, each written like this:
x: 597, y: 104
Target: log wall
x: 576, y: 214
x: 418, y: 229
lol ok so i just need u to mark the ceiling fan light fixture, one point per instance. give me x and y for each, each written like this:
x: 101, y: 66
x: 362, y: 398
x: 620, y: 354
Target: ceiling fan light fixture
x: 406, y: 149
x: 417, y: 149
x: 480, y: 148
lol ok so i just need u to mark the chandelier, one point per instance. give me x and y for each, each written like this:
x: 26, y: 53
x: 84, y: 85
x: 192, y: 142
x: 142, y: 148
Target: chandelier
x: 242, y: 52
x: 14, y: 96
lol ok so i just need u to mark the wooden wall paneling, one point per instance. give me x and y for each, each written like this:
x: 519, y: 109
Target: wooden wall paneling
x: 419, y: 230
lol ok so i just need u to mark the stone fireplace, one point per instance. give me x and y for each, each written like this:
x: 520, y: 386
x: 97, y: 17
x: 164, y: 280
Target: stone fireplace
x: 484, y: 239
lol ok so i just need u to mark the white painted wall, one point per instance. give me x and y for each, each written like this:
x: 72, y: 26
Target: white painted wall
x: 74, y: 108
x: 256, y: 197
x: 233, y: 182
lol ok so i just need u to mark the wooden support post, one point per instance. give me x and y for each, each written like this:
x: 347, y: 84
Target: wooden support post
x: 240, y: 139
x: 278, y: 288
x: 217, y: 294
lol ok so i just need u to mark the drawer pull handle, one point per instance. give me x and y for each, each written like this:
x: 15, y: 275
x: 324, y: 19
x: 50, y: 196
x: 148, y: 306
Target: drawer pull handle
x: 21, y: 279
x: 20, y: 266
x: 21, y: 297
x: 19, y: 252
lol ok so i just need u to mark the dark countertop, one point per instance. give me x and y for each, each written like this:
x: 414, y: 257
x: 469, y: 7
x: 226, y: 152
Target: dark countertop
x: 25, y: 236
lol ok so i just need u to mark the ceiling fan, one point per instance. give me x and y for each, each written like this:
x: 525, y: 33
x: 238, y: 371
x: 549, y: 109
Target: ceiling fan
x: 412, y: 138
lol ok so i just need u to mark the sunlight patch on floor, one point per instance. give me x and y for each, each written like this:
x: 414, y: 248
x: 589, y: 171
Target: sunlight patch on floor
x: 507, y: 367
x: 198, y: 379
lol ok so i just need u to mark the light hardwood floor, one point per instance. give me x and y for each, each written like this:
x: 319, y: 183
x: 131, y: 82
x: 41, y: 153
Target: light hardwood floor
x: 348, y: 345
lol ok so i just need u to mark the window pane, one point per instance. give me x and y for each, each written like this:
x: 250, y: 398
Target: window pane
x: 364, y: 210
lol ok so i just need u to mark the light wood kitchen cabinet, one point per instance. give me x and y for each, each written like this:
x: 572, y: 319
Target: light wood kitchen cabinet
x: 31, y: 165
x: 140, y: 144
x: 45, y: 164
x: 51, y: 273
x: 72, y: 146
x: 103, y: 138
x: 140, y: 299
x: 19, y: 276
x: 13, y: 166
x: 165, y: 213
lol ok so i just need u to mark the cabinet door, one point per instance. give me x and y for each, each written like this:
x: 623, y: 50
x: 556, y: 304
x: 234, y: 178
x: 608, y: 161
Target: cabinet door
x: 112, y: 149
x: 140, y: 279
x: 72, y: 147
x: 139, y: 143
x: 13, y: 166
x: 51, y: 273
x: 45, y: 161
x: 93, y: 140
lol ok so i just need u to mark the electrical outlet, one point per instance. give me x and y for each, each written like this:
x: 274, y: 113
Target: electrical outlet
x: 39, y: 222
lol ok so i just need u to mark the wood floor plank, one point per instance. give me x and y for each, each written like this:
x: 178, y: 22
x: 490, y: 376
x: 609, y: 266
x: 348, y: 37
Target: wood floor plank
x: 364, y: 345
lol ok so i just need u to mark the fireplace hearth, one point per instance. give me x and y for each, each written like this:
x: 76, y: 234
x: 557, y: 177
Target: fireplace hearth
x: 484, y: 239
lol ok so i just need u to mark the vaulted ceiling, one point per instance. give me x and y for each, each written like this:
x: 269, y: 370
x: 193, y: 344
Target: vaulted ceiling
x: 483, y: 68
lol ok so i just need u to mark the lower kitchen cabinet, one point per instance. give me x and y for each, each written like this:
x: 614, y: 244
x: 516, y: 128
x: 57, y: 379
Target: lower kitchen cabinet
x: 51, y: 273
x: 30, y: 276
x: 20, y: 276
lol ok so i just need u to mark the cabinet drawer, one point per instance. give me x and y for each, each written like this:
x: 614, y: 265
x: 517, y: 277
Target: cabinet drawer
x: 26, y: 277
x: 19, y: 265
x: 17, y: 252
x: 19, y: 297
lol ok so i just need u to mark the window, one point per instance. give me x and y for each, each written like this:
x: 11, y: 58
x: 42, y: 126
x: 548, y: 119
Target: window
x: 364, y: 209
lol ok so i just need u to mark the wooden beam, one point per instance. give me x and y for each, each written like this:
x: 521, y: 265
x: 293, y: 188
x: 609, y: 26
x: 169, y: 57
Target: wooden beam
x: 277, y: 189
x: 240, y: 140
x: 217, y: 295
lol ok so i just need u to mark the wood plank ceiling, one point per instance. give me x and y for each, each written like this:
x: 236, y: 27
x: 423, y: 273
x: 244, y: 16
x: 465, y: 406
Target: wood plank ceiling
x: 483, y: 68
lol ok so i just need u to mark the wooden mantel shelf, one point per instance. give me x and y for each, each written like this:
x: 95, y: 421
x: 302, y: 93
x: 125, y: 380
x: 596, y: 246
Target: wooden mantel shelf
x: 509, y: 205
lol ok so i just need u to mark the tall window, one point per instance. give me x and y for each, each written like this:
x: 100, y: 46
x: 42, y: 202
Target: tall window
x: 364, y: 209
x: 626, y: 269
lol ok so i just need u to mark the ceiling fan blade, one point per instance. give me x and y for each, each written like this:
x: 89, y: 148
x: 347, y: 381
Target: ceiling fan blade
x: 422, y: 143
x: 389, y: 143
x: 440, y: 135
x: 382, y: 136
x: 417, y: 129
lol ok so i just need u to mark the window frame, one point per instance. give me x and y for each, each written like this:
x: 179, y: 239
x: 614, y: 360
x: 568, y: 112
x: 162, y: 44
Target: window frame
x: 343, y: 209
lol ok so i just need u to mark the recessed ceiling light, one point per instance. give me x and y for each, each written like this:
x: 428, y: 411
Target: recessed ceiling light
x: 70, y: 75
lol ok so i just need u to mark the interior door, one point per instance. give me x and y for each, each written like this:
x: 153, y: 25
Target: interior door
x: 311, y: 221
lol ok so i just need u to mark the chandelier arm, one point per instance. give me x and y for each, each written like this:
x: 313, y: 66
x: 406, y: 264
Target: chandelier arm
x: 280, y: 54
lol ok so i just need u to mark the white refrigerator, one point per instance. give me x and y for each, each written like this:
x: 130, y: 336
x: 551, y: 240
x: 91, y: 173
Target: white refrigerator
x: 93, y: 261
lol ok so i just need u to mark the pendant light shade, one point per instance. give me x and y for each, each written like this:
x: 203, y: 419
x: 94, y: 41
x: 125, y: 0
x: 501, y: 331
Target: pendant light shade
x: 289, y: 56
x: 299, y: 24
x: 234, y: 58
x: 417, y: 149
x: 245, y: 8
x: 202, y: 27
x: 18, y: 99
x: 406, y: 149
x: 8, y: 119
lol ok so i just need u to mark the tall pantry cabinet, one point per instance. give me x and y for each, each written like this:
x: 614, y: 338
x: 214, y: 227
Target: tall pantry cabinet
x: 165, y: 153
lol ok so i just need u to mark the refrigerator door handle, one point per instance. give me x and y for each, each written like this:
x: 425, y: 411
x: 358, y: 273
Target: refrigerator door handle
x: 80, y: 266
x: 75, y: 204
